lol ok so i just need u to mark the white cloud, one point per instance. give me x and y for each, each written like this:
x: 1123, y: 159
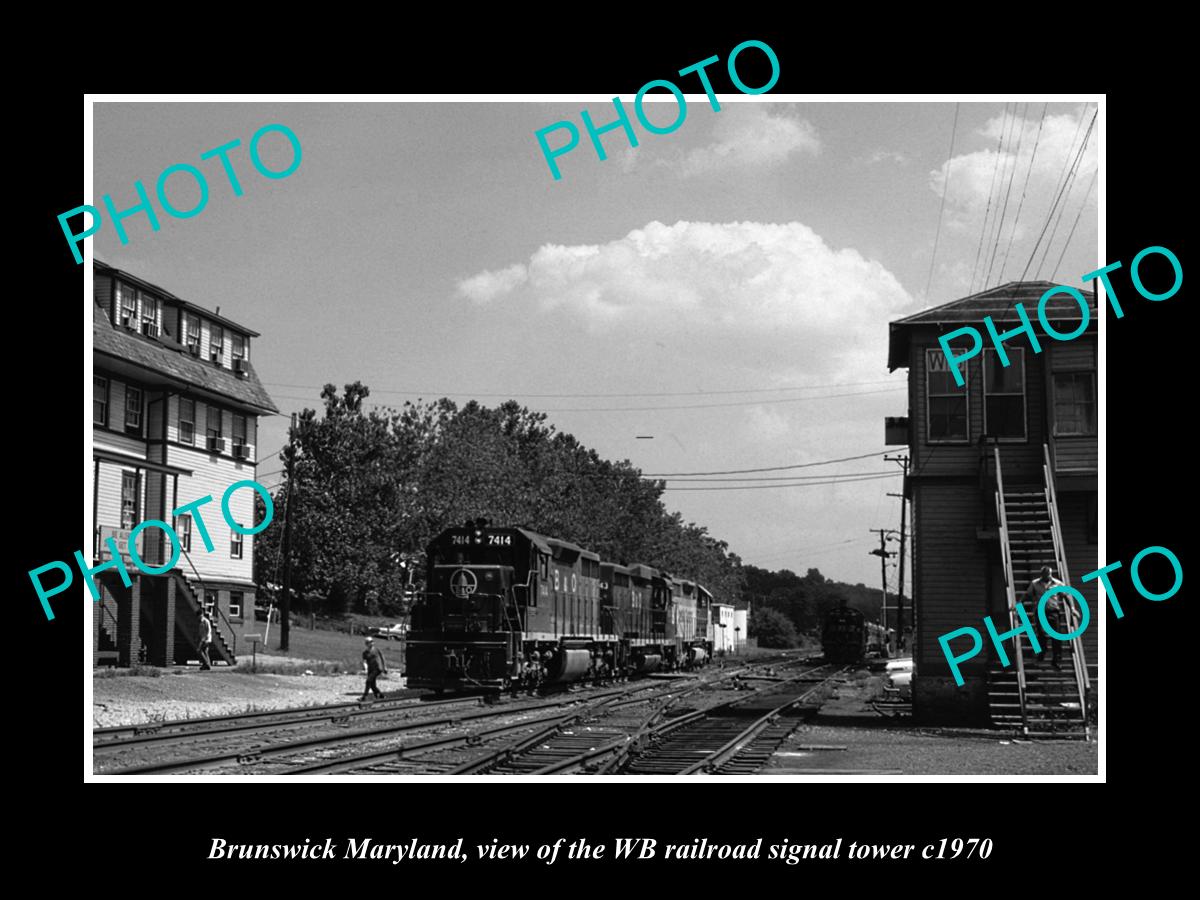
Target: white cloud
x: 985, y: 257
x: 750, y: 135
x: 767, y: 295
x: 887, y: 156
x: 488, y: 285
x: 971, y: 174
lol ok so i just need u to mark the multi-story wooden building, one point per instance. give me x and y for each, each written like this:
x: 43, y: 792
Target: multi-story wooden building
x: 175, y: 409
x: 1003, y: 479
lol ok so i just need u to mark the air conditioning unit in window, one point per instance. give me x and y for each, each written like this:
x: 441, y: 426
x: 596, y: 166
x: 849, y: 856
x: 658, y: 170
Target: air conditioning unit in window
x: 193, y: 349
x: 214, y: 356
x: 150, y: 329
x: 241, y: 451
x: 239, y: 366
x: 216, y: 444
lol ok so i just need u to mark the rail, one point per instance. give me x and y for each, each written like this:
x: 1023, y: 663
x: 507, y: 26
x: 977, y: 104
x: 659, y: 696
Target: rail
x: 204, y: 588
x: 1079, y: 662
x: 1006, y: 553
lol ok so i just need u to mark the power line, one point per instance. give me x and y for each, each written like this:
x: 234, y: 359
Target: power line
x: 1065, y: 200
x: 1078, y: 216
x: 987, y: 211
x: 1008, y: 193
x: 768, y: 478
x: 742, y: 403
x: 824, y: 462
x: 776, y: 390
x: 942, y: 208
x: 1054, y: 205
x: 1024, y: 187
x: 761, y: 487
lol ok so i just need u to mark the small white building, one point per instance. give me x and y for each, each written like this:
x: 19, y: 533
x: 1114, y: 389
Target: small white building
x: 723, y: 623
x: 740, y: 629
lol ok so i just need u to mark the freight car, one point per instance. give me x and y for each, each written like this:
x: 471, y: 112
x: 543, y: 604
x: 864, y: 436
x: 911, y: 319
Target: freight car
x: 844, y: 635
x: 508, y: 608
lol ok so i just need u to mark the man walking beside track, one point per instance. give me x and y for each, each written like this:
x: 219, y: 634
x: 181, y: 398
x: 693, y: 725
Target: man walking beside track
x: 374, y: 665
x: 1056, y: 607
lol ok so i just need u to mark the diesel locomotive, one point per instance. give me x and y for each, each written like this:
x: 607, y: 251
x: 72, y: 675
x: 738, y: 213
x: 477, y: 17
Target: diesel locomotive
x: 507, y: 608
x: 847, y: 636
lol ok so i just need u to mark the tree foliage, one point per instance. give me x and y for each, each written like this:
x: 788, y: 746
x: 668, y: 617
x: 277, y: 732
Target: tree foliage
x: 371, y: 488
x: 772, y: 628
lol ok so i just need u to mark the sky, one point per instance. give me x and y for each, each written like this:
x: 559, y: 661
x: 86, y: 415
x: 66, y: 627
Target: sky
x: 713, y: 299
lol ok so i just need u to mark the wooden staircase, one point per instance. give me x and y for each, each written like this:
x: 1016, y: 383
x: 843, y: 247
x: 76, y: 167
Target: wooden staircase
x: 187, y: 623
x: 107, y: 652
x: 1029, y: 695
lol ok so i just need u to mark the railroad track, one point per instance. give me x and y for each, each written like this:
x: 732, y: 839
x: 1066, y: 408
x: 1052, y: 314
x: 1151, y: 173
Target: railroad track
x: 290, y: 740
x: 718, y: 740
x: 543, y: 746
x: 184, y: 730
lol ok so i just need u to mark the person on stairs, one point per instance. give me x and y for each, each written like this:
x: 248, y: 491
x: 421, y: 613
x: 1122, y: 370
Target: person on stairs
x: 205, y: 640
x: 1056, y: 608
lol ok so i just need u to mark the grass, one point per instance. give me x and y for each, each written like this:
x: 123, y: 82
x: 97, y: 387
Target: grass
x: 277, y: 666
x: 324, y: 646
x: 139, y: 669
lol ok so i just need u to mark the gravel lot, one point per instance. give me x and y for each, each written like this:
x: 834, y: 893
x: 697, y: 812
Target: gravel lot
x: 188, y: 693
x: 877, y: 743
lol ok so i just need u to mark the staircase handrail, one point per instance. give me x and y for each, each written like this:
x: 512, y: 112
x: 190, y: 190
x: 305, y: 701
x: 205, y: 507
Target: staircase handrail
x: 1006, y: 554
x: 216, y: 606
x: 1082, y: 682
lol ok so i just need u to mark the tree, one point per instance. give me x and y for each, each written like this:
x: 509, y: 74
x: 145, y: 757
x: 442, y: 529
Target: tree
x: 773, y: 628
x: 371, y: 488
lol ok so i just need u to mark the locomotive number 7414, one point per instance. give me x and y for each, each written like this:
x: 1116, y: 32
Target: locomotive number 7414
x: 500, y: 540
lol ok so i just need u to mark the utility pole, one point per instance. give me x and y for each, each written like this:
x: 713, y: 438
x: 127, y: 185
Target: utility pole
x: 883, y: 553
x: 903, y: 495
x: 285, y: 605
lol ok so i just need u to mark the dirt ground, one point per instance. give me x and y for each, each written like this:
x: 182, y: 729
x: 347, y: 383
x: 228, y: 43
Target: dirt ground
x: 189, y: 693
x: 879, y: 745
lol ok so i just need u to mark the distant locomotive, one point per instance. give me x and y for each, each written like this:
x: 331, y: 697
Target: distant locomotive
x: 844, y: 635
x: 507, y: 608
x: 847, y: 636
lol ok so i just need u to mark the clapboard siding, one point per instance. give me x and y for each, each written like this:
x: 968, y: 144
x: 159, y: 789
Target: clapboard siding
x: 212, y: 476
x: 1073, y: 356
x: 1073, y: 453
x: 108, y: 494
x: 1076, y: 454
x: 102, y: 290
x: 950, y: 586
x: 1083, y: 557
x: 201, y: 419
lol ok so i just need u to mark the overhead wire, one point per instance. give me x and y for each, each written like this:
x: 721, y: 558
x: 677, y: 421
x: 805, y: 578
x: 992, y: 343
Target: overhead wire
x: 988, y: 209
x: 1062, y: 208
x: 1024, y: 188
x: 773, y: 390
x: 1078, y: 216
x: 1057, y: 198
x: 760, y: 487
x: 942, y: 207
x: 1016, y: 155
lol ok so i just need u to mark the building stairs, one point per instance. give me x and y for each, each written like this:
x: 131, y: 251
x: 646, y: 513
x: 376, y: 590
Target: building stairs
x: 1029, y: 695
x: 187, y: 623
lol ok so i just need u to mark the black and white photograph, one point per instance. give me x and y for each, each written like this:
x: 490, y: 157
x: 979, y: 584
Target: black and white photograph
x: 693, y: 432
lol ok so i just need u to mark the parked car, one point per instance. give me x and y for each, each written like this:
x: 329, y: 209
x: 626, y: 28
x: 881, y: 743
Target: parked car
x: 395, y: 632
x: 898, y: 681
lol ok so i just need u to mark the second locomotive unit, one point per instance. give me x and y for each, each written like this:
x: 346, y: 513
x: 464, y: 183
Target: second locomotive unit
x: 507, y: 608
